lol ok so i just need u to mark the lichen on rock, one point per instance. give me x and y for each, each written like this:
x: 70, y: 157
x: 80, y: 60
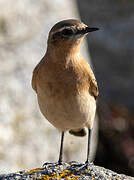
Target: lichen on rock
x: 66, y: 171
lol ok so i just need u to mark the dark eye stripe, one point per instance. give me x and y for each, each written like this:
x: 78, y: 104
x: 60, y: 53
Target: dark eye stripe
x: 67, y: 32
x: 64, y: 33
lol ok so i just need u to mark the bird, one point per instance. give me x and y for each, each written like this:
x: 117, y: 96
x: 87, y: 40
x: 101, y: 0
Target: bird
x: 65, y: 84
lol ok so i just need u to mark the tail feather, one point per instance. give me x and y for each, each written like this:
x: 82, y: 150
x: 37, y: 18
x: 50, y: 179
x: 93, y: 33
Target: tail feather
x: 78, y: 132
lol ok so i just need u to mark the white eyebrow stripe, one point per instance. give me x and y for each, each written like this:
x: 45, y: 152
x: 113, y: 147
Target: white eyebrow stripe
x: 66, y: 27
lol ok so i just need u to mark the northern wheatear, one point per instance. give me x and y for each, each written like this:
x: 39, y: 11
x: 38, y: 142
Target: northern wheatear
x: 64, y: 82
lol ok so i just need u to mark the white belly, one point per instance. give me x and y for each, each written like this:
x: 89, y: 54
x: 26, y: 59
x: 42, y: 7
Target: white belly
x: 68, y: 113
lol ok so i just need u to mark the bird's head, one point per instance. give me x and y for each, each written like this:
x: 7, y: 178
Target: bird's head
x: 68, y: 34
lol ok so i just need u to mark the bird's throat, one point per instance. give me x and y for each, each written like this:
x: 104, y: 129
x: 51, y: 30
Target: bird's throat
x: 64, y: 53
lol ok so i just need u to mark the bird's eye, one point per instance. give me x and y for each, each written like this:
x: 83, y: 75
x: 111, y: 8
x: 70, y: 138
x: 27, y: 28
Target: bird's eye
x: 67, y: 32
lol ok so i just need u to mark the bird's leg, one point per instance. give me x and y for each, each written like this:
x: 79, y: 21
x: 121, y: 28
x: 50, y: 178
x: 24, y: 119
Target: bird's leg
x: 61, y: 149
x: 88, y: 148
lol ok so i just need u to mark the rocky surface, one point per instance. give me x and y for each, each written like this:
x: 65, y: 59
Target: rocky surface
x: 72, y: 170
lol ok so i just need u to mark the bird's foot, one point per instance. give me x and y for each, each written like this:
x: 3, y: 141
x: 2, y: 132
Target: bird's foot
x: 88, y: 164
x: 46, y: 164
x: 52, y: 164
x: 60, y: 163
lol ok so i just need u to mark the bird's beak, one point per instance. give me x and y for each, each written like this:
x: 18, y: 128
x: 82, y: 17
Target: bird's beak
x: 90, y: 29
x: 87, y: 30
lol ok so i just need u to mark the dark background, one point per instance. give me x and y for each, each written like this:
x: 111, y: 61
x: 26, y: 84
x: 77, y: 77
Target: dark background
x: 112, y: 54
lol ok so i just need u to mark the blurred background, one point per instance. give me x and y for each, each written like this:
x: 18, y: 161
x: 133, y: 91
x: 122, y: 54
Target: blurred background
x: 26, y: 139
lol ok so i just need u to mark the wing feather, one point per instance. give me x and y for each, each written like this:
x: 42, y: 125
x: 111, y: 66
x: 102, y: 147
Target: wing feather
x: 93, y: 85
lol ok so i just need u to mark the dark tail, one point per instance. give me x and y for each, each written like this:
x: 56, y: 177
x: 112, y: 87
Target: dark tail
x: 78, y: 132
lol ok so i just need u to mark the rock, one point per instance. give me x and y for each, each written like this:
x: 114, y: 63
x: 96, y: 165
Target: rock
x: 72, y: 170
